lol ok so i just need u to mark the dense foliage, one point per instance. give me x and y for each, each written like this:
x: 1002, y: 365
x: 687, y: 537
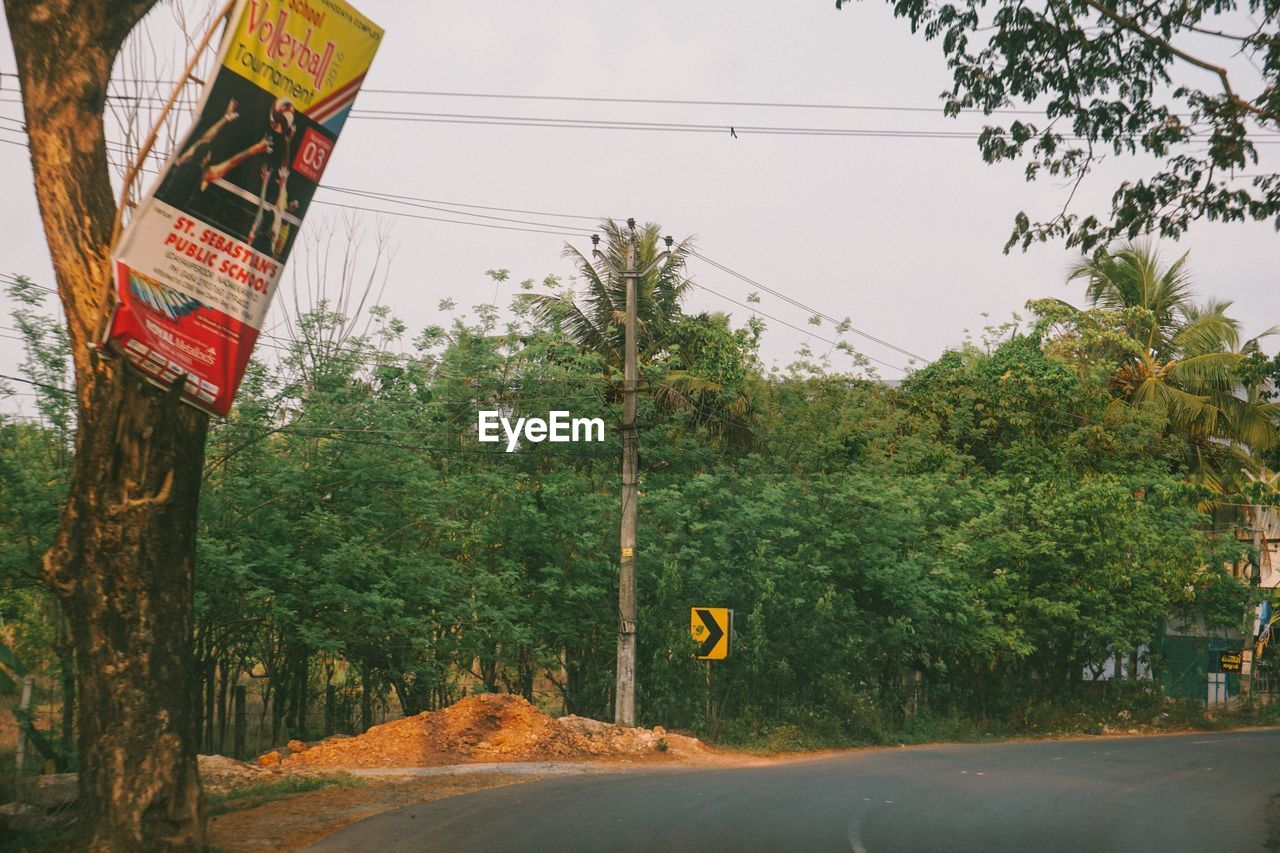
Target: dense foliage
x: 966, y: 545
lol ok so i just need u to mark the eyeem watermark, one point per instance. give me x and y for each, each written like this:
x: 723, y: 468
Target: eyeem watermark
x: 558, y: 427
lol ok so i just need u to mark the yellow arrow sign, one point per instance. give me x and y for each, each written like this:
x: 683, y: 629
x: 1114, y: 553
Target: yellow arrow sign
x: 711, y: 628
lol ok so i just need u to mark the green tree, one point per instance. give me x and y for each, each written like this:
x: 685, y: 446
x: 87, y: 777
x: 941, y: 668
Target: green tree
x: 35, y: 460
x: 966, y: 545
x: 596, y: 322
x: 692, y: 363
x: 1182, y: 358
x: 1089, y: 536
x: 1103, y: 71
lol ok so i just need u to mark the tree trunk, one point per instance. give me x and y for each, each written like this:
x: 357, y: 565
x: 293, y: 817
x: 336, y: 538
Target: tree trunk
x: 67, y: 676
x: 197, y: 687
x: 122, y: 562
x: 262, y: 720
x: 124, y: 575
x: 296, y: 721
x: 278, y: 698
x: 225, y: 670
x: 210, y: 697
x: 366, y: 704
x: 241, y: 727
x: 414, y: 695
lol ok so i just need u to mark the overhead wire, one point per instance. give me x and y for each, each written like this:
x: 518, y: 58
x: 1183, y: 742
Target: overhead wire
x: 800, y: 329
x: 426, y: 203
x: 814, y: 311
x: 438, y: 206
x: 557, y: 229
x: 394, y: 196
x: 935, y: 110
x: 723, y: 127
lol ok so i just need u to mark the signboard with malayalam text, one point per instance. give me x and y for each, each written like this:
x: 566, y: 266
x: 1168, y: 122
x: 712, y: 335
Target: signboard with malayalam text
x: 197, y: 268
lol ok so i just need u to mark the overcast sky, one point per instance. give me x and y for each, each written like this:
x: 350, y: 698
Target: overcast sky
x: 902, y: 235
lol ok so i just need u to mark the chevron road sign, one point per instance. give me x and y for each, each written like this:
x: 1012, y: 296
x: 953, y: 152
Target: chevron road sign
x: 711, y: 628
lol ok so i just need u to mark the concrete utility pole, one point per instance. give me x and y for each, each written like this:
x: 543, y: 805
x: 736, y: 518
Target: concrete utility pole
x: 624, y: 704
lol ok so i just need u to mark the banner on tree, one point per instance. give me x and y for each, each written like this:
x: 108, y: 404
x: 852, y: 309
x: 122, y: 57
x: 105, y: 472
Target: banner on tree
x: 197, y: 267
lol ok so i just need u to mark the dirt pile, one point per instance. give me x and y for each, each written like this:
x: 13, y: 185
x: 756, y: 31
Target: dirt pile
x: 484, y: 728
x: 610, y: 740
x: 219, y: 773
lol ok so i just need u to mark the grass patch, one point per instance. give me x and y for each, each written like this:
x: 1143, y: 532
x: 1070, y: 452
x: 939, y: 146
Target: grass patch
x: 264, y: 792
x: 1138, y: 712
x: 774, y: 738
x: 53, y: 835
x: 44, y: 839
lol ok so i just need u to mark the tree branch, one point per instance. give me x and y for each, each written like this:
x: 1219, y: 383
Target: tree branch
x: 1134, y: 27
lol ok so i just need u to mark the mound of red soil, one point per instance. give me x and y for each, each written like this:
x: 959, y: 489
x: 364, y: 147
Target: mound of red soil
x: 488, y: 727
x: 618, y: 741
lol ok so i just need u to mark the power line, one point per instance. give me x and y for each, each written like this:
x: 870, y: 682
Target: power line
x: 791, y: 105
x: 405, y: 200
x: 619, y: 124
x: 686, y: 102
x: 558, y: 233
x: 936, y: 110
x: 451, y: 221
x: 808, y: 308
x: 583, y: 233
x: 409, y: 200
x: 554, y: 229
x: 393, y: 196
x: 375, y: 114
x: 790, y: 325
x: 43, y: 385
x: 1261, y: 138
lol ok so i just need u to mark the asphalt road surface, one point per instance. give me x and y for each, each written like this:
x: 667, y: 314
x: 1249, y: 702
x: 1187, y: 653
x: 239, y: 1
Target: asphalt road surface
x: 1202, y: 792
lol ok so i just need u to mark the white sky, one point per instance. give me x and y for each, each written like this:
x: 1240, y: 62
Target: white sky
x: 902, y: 235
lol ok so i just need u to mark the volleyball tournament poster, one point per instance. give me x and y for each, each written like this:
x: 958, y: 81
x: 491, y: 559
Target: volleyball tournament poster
x: 199, y: 264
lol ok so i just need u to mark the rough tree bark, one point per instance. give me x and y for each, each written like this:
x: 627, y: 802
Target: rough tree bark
x: 123, y: 559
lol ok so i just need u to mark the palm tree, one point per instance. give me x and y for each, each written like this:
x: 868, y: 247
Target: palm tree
x: 1181, y: 357
x: 663, y: 332
x: 597, y: 323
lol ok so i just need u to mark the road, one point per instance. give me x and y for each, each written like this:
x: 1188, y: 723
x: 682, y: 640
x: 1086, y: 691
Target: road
x: 1199, y: 792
